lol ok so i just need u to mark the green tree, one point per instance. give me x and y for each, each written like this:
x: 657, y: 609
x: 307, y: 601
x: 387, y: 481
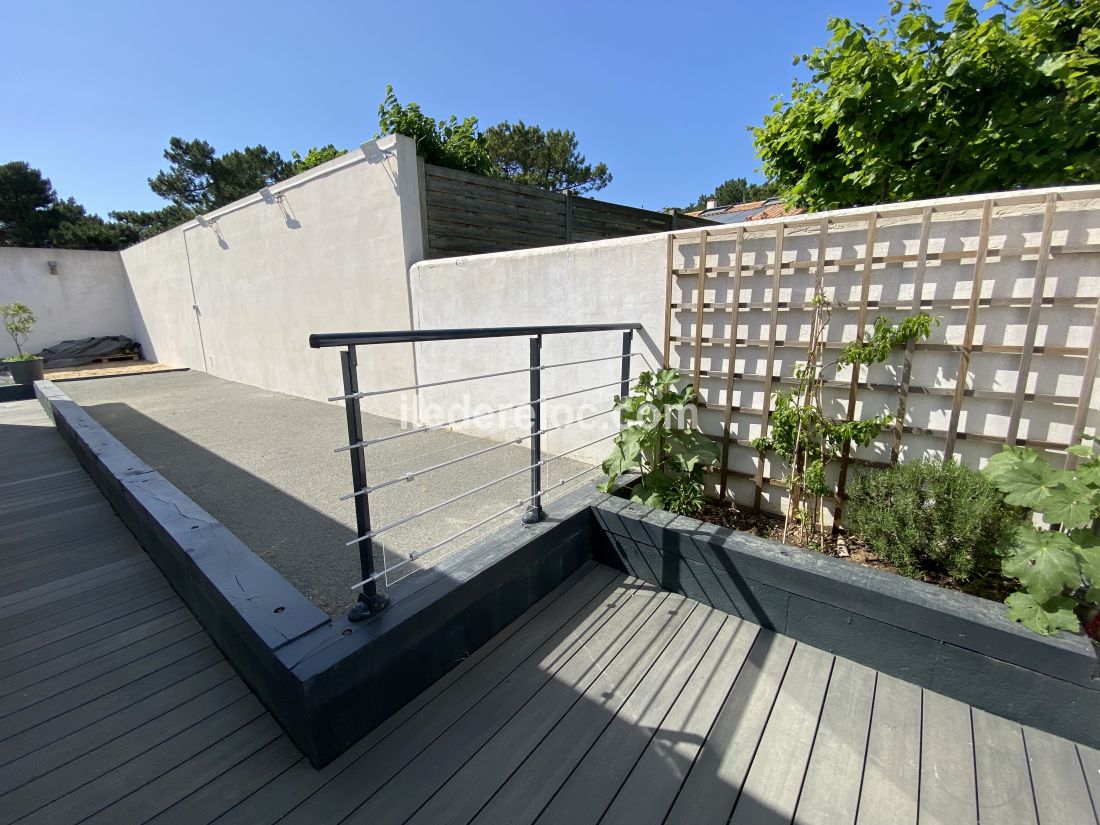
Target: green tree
x: 26, y: 206
x: 314, y: 157
x: 547, y: 158
x: 735, y: 190
x: 920, y: 107
x: 199, y: 179
x: 32, y: 215
x: 452, y: 143
x: 92, y: 232
x: 147, y: 224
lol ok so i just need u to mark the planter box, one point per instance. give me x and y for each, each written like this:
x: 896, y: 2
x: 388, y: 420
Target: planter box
x: 327, y: 681
x: 959, y: 645
x: 26, y: 372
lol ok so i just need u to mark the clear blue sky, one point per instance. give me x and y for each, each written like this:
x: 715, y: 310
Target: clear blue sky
x: 661, y: 92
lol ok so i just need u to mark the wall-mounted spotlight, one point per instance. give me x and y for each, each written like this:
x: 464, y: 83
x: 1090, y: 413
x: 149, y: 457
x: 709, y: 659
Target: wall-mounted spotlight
x: 53, y: 267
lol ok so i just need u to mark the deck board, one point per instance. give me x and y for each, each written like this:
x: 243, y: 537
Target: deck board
x: 830, y: 790
x: 608, y: 701
x: 948, y: 795
x: 891, y: 772
x: 1005, y: 794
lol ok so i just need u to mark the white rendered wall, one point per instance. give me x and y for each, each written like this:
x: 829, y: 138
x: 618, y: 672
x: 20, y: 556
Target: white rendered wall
x: 625, y: 280
x: 237, y: 292
x: 87, y: 297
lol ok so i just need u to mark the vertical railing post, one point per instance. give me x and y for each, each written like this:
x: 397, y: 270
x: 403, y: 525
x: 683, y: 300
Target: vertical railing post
x: 370, y: 601
x: 624, y: 386
x: 534, y: 512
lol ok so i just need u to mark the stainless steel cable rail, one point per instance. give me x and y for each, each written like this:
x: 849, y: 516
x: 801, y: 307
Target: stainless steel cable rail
x: 413, y: 556
x: 413, y: 475
x: 370, y: 534
x: 370, y: 600
x: 467, y: 419
x: 447, y: 381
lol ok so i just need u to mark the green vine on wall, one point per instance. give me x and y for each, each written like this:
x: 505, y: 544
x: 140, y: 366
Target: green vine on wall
x: 803, y: 435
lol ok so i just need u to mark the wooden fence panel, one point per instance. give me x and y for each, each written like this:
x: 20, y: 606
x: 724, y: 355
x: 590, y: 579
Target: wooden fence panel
x: 467, y: 214
x: 1014, y: 282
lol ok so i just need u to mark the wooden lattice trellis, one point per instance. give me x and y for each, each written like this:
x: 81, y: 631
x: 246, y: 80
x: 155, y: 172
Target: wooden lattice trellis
x: 1015, y: 280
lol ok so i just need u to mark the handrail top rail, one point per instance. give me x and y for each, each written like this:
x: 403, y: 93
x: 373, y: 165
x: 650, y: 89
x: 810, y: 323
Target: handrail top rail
x: 319, y: 340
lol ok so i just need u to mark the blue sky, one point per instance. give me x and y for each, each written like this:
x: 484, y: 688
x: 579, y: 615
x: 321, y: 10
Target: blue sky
x: 661, y: 92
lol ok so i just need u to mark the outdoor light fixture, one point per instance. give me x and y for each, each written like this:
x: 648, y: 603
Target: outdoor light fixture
x: 53, y: 267
x: 376, y: 154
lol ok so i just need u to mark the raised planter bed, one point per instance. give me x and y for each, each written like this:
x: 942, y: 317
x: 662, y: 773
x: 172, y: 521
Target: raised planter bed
x: 326, y: 680
x: 959, y: 645
x: 329, y: 682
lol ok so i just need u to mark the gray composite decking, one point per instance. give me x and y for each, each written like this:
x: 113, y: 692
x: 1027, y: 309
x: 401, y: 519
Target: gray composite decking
x: 608, y: 701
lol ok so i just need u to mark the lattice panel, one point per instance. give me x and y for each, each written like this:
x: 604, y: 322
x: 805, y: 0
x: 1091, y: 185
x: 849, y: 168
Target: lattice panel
x: 1015, y: 282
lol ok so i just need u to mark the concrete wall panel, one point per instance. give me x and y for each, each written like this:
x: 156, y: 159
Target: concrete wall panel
x: 87, y: 296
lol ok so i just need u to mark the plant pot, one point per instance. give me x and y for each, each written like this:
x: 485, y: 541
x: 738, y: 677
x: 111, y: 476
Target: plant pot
x: 26, y: 372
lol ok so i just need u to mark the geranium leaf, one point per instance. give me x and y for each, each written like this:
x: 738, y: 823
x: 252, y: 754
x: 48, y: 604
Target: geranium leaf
x: 1047, y: 617
x: 1046, y: 563
x: 1069, y: 504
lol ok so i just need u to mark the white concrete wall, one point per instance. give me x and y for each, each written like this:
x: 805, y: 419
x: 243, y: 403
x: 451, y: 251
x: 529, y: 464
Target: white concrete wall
x: 238, y: 292
x: 620, y: 280
x: 624, y: 280
x: 87, y: 297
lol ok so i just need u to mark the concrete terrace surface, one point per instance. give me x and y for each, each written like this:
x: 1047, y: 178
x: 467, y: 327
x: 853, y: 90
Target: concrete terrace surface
x: 264, y: 465
x: 608, y: 701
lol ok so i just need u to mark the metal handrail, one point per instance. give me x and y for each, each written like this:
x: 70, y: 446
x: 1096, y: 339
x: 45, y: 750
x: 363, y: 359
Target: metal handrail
x: 371, y: 601
x: 416, y: 336
x: 460, y: 379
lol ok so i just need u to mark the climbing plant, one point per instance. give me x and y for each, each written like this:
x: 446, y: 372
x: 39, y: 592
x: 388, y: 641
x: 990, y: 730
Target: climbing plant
x: 803, y: 435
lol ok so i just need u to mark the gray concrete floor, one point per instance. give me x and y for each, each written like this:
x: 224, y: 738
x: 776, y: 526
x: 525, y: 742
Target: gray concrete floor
x: 263, y: 464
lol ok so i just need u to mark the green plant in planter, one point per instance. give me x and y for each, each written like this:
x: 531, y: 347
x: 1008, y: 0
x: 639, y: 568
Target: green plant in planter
x: 1059, y: 567
x: 659, y: 442
x: 803, y: 435
x: 18, y: 321
x: 930, y: 516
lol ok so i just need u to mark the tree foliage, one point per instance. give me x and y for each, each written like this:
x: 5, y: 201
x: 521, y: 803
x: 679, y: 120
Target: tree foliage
x: 18, y: 320
x: 548, y: 159
x: 452, y: 143
x: 314, y: 157
x: 1001, y: 98
x: 735, y: 190
x: 199, y: 179
x: 32, y: 215
x: 146, y: 224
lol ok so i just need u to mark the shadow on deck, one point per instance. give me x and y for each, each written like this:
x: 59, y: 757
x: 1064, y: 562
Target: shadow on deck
x: 608, y: 701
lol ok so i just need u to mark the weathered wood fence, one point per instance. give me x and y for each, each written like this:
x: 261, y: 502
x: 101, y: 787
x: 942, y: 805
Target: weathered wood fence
x: 467, y: 214
x: 1014, y: 281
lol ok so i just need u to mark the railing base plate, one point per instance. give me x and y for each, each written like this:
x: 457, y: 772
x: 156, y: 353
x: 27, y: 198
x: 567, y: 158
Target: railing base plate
x: 368, y: 606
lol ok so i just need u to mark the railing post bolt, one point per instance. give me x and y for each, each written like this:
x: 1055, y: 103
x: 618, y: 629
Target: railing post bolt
x: 534, y: 512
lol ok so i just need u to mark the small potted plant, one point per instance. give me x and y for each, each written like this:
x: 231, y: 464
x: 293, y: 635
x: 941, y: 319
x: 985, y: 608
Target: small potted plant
x: 25, y: 368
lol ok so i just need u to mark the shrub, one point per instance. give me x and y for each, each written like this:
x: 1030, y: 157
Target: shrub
x: 927, y: 516
x: 657, y: 441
